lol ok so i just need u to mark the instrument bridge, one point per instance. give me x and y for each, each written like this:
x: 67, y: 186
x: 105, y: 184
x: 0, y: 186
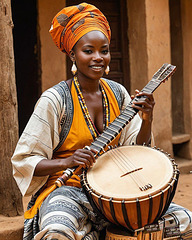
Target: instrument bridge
x: 132, y: 171
x: 145, y: 186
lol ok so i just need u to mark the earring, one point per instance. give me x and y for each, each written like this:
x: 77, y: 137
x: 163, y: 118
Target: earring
x: 107, y: 70
x: 74, y: 68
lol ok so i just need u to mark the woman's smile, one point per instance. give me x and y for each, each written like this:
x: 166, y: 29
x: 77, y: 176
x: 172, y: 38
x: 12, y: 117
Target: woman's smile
x: 97, y: 68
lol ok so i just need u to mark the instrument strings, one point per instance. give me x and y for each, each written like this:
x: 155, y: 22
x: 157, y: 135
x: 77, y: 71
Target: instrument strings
x: 125, y: 164
x: 144, y: 181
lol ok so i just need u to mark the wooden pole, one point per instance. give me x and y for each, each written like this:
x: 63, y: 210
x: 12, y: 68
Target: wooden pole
x: 10, y: 197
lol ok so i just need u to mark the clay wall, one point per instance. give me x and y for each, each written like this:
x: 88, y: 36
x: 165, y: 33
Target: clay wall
x: 149, y: 37
x: 53, y: 62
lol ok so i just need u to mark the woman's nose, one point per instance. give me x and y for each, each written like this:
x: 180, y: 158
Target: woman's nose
x: 97, y: 57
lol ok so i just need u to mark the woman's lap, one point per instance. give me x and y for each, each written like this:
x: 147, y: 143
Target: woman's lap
x: 178, y: 215
x: 67, y: 214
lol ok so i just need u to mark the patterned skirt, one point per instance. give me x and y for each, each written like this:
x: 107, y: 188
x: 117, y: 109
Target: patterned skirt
x: 67, y: 214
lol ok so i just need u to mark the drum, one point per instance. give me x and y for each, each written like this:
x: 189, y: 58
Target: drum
x: 117, y: 233
x: 114, y: 232
x: 132, y: 186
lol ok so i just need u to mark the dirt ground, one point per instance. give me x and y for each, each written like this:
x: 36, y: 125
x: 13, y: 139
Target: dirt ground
x: 183, y: 194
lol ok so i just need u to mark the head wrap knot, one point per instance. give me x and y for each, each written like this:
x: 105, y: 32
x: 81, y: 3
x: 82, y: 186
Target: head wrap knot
x: 71, y: 23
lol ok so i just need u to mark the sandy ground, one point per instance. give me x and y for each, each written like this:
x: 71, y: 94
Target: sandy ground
x: 183, y: 194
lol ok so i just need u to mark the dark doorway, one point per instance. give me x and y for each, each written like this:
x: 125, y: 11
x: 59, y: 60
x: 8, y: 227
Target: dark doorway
x: 26, y: 52
x: 116, y: 14
x: 177, y: 59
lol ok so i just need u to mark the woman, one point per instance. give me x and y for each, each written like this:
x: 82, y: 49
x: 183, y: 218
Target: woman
x: 67, y: 118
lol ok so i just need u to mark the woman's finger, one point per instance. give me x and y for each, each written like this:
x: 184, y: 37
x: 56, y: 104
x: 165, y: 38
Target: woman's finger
x: 84, y: 155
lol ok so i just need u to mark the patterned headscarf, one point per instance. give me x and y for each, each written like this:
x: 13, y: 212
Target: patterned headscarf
x: 71, y: 23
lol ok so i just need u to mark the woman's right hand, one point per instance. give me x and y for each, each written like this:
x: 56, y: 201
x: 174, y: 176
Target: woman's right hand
x: 81, y: 157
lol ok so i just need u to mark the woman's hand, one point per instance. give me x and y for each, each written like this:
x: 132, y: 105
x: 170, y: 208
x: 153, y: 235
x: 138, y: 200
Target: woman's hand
x: 81, y: 157
x: 144, y: 105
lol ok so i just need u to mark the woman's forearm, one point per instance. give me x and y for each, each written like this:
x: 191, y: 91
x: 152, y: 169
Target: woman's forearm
x: 47, y: 167
x: 82, y: 157
x: 144, y: 135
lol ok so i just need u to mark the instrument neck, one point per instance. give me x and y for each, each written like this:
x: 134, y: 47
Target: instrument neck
x: 103, y: 141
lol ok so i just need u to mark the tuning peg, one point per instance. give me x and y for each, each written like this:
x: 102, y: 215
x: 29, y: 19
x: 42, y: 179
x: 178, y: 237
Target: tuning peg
x: 110, y: 147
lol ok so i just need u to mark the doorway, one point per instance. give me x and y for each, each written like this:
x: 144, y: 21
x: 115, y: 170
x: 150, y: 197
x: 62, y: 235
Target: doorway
x: 27, y: 60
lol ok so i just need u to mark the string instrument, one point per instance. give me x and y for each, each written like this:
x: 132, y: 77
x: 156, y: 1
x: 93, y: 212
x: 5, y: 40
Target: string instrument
x: 130, y: 185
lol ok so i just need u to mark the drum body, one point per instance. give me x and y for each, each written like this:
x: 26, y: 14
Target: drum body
x: 131, y: 186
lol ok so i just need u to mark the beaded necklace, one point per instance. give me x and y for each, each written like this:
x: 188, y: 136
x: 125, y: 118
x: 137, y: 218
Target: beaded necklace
x: 87, y: 116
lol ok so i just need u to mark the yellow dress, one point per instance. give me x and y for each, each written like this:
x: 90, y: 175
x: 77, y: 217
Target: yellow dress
x: 78, y: 137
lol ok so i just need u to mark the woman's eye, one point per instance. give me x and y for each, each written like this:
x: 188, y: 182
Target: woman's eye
x: 88, y: 51
x: 105, y: 51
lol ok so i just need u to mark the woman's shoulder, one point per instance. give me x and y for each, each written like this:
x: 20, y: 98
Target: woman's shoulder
x: 59, y: 92
x: 61, y: 88
x: 56, y: 96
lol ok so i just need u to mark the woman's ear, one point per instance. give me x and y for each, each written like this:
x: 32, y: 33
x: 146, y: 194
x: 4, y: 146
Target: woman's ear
x: 72, y: 56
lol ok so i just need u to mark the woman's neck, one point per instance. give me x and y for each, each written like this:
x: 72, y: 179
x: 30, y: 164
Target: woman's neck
x: 88, y: 85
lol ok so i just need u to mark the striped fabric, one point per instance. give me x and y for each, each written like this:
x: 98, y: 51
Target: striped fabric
x: 178, y: 215
x: 67, y: 214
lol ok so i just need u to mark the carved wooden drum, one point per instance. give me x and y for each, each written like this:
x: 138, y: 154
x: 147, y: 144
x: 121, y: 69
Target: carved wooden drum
x: 131, y: 186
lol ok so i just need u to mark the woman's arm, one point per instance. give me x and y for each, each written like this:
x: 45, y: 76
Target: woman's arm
x: 146, y: 107
x: 37, y: 142
x: 81, y: 157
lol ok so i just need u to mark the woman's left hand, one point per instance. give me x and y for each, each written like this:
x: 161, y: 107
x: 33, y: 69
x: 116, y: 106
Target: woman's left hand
x: 144, y: 105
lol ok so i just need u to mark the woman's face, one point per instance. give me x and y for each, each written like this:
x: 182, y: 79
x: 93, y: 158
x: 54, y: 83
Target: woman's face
x: 92, y: 56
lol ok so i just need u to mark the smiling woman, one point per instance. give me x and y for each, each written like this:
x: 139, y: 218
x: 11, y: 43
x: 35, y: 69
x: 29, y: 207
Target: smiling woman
x: 67, y: 119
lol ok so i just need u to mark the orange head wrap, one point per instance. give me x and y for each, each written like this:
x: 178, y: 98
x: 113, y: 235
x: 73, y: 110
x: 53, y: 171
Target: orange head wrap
x: 71, y: 23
